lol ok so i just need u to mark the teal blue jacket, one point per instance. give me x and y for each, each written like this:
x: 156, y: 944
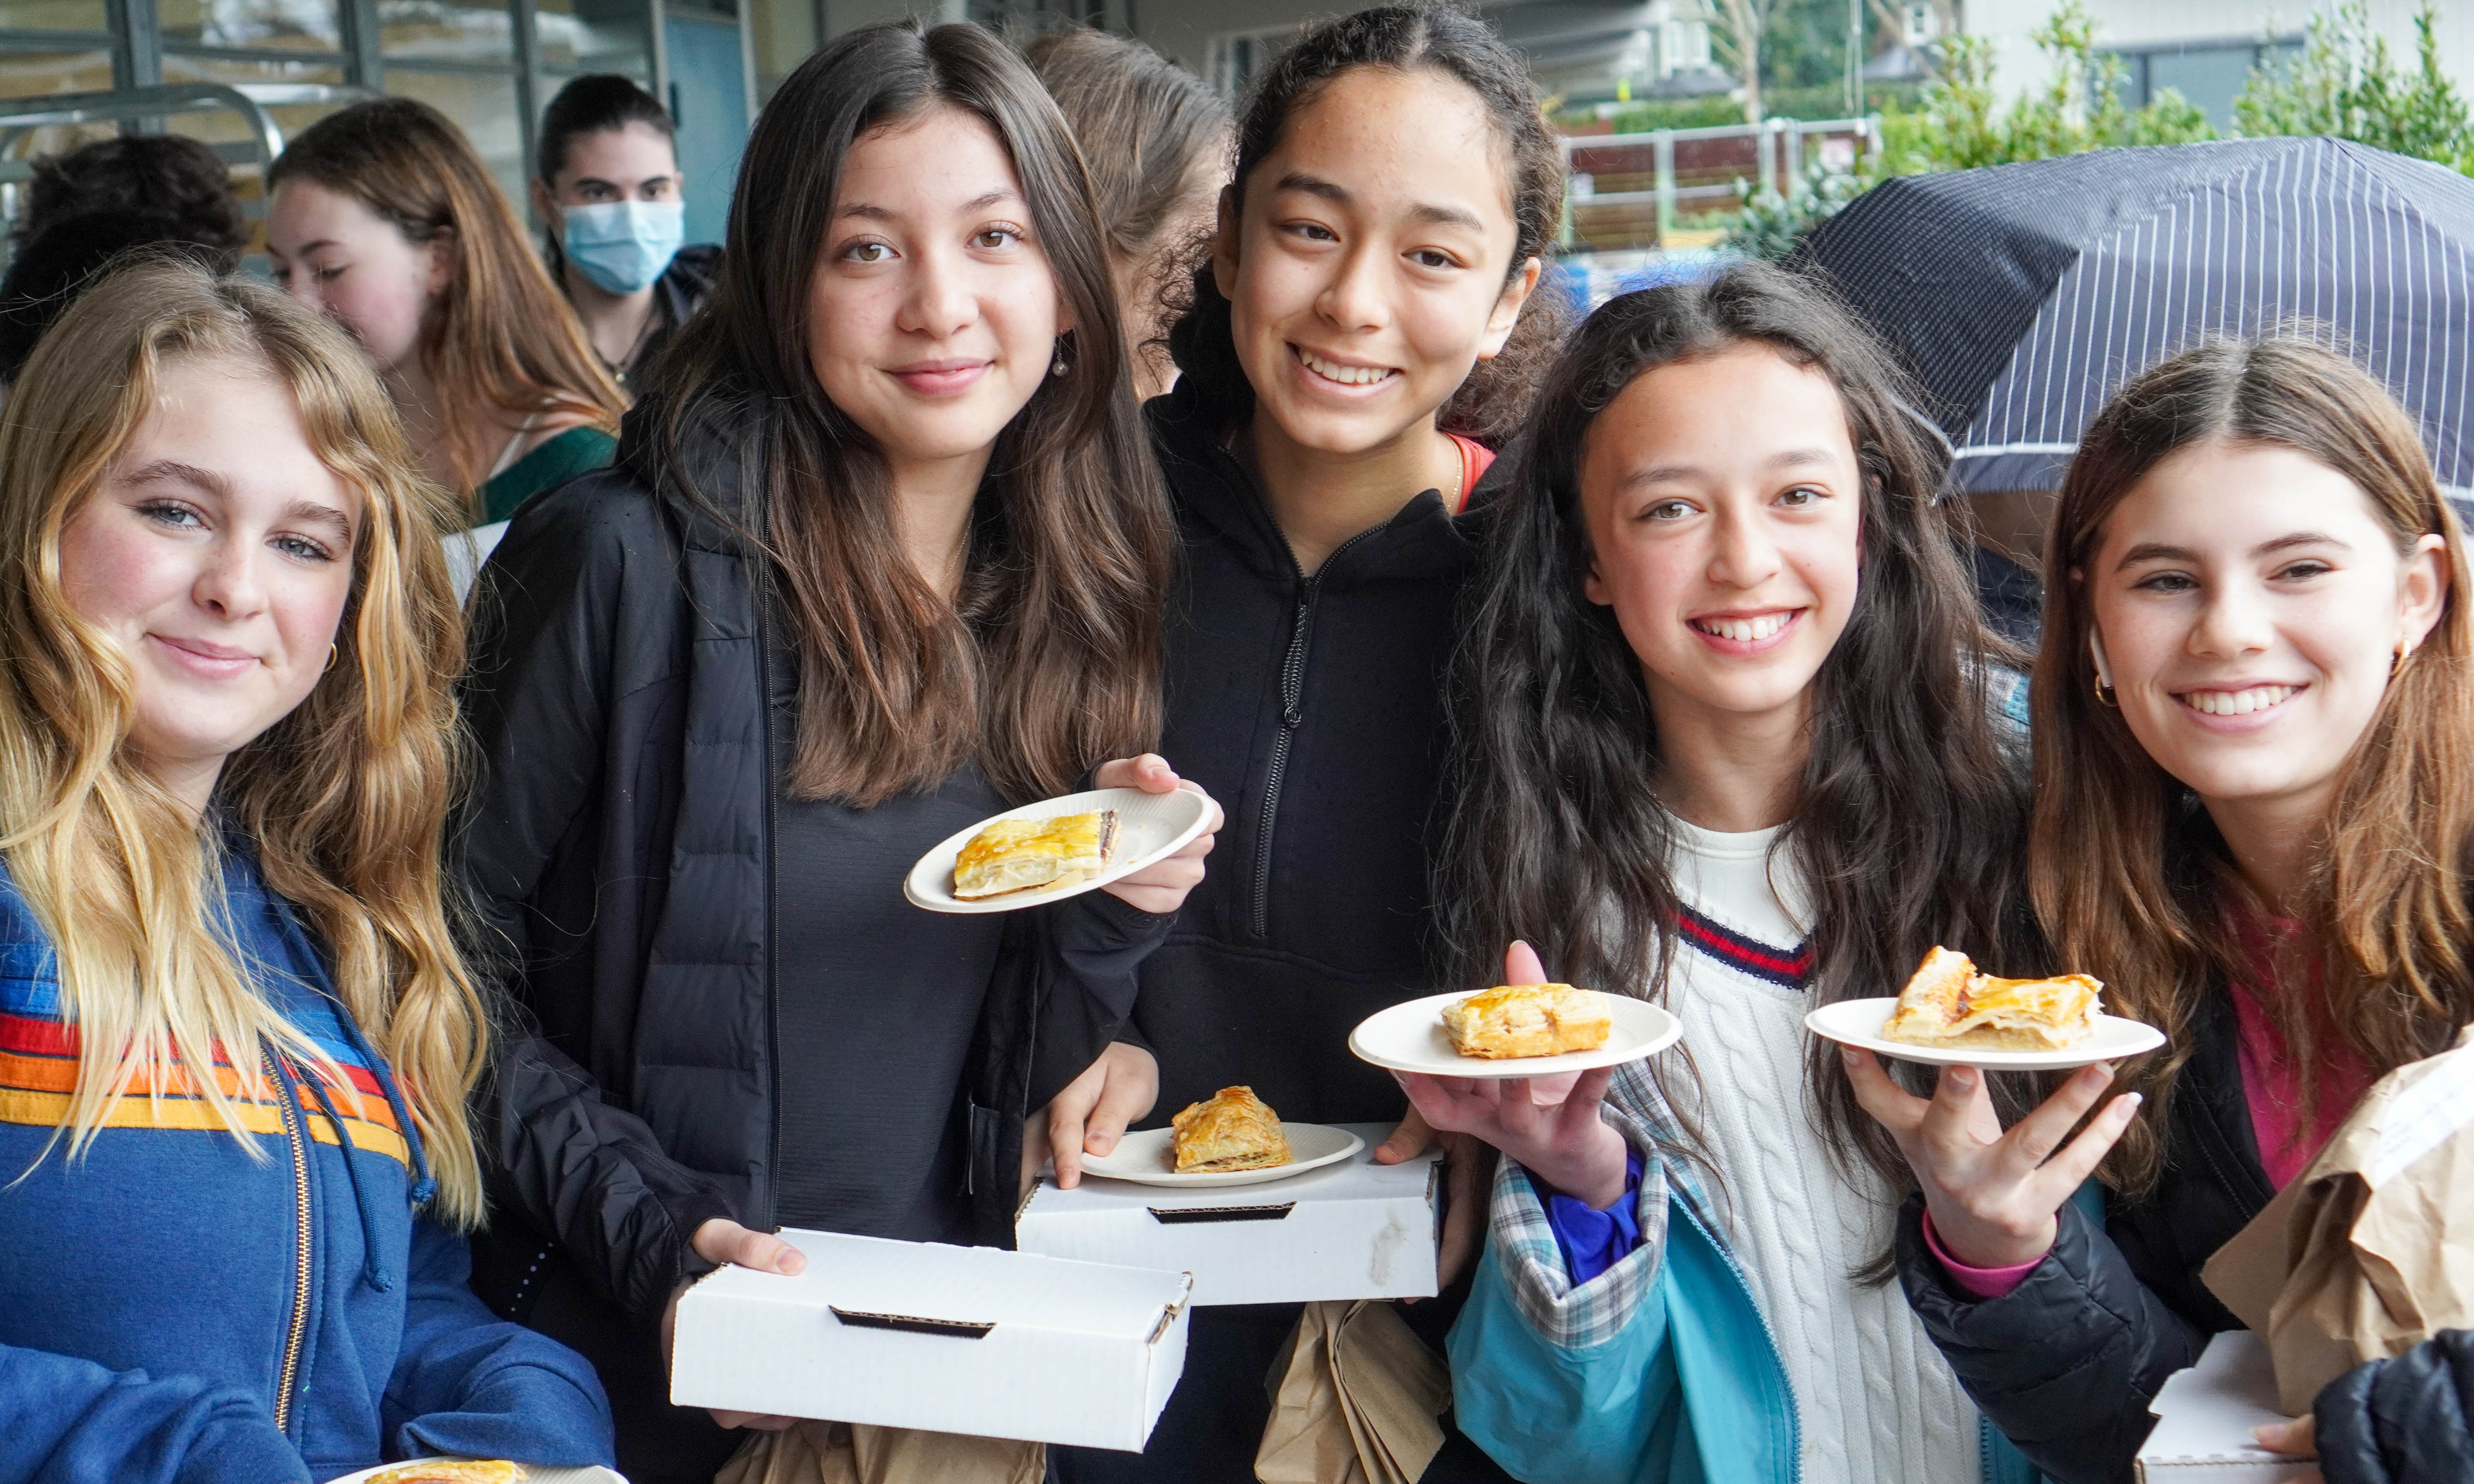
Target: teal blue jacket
x: 1662, y: 1371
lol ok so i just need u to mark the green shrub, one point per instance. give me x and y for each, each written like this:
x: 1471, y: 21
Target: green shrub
x: 2346, y: 86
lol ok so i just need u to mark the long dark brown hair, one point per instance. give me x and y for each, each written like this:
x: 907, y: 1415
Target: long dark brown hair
x: 1911, y: 820
x: 501, y: 336
x: 2130, y: 874
x: 1048, y: 660
x: 1422, y: 36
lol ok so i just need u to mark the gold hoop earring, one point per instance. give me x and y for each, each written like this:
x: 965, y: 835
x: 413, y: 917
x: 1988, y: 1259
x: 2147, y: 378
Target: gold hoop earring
x: 334, y: 652
x: 2106, y: 695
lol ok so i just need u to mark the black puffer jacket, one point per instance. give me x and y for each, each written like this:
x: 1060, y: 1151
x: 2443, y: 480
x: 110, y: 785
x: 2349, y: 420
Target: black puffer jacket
x: 632, y: 702
x: 2066, y: 1363
x: 1313, y: 708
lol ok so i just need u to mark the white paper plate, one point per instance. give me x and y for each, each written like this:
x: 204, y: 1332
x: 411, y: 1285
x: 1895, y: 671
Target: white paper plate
x: 1148, y: 1157
x: 1149, y: 828
x: 534, y: 1474
x: 1410, y: 1038
x: 1859, y: 1022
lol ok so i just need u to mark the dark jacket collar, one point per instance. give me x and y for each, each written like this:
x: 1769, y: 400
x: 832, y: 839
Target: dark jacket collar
x: 1215, y: 496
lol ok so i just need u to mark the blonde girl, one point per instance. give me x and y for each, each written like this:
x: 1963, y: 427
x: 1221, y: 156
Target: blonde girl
x: 235, y: 1040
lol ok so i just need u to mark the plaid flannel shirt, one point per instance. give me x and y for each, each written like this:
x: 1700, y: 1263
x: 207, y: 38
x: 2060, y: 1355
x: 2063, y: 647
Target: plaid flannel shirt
x: 1576, y: 1318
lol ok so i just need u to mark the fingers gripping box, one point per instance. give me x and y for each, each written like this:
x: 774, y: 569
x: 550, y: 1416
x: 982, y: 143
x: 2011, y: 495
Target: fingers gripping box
x: 947, y: 1339
x: 2204, y: 1417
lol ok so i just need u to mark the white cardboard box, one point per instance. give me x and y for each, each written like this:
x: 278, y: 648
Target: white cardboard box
x: 1355, y: 1229
x: 2204, y: 1417
x: 950, y: 1339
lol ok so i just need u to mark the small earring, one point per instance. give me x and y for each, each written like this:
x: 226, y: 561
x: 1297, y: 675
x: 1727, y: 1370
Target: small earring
x: 2106, y: 695
x: 333, y: 653
x: 1056, y: 367
x: 2397, y: 661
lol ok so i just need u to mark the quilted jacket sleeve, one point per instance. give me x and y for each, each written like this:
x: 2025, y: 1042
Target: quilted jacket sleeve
x: 2065, y: 1364
x: 2407, y: 1419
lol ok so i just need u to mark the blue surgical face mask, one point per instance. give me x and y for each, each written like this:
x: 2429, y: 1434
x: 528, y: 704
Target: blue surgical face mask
x: 623, y: 246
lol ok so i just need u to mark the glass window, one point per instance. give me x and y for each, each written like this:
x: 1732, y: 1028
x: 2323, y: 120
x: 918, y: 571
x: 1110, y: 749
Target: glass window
x: 224, y: 127
x: 446, y: 29
x: 2212, y: 76
x: 286, y: 25
x: 483, y: 105
x: 595, y: 35
x: 30, y: 74
x: 55, y: 15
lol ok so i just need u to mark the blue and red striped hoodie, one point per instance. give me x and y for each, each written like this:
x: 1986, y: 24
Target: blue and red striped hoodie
x: 174, y: 1307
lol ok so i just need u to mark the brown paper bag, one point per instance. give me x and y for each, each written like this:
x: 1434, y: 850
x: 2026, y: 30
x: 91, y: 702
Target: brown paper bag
x: 858, y: 1453
x: 2371, y: 1252
x: 1354, y: 1400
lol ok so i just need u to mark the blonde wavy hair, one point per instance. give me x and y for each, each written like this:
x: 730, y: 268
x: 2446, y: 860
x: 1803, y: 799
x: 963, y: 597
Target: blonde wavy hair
x: 344, y: 800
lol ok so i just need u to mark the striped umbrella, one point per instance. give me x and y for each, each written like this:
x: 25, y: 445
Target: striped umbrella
x: 2024, y: 295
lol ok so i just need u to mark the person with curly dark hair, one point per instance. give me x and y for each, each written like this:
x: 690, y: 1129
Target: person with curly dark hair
x: 88, y: 208
x: 164, y: 175
x: 1361, y: 338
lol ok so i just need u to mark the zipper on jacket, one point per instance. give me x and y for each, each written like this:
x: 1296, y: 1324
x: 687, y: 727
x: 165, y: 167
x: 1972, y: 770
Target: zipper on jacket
x: 288, y: 1105
x: 763, y: 594
x: 1293, y: 686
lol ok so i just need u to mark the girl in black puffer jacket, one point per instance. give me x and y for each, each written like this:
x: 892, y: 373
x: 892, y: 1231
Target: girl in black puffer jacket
x: 2252, y: 730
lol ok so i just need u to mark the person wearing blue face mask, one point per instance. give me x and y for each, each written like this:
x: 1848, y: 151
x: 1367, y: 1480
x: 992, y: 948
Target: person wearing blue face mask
x: 607, y: 185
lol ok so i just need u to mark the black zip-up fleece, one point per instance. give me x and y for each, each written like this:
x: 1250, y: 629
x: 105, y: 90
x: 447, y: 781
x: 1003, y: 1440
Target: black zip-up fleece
x: 1313, y: 708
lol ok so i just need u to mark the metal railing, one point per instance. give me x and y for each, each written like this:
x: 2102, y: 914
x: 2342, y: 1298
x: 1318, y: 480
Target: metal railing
x: 262, y: 137
x: 1779, y: 149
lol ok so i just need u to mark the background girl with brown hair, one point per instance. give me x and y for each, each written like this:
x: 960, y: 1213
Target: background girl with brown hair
x: 1155, y: 139
x: 235, y: 1037
x: 383, y: 218
x: 886, y: 558
x: 2253, y: 732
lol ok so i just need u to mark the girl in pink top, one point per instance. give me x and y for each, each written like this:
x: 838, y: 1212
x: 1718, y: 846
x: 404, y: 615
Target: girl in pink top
x: 2252, y: 731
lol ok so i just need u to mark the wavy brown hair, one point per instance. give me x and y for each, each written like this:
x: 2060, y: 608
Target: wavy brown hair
x: 2130, y: 875
x: 502, y: 340
x: 344, y: 800
x: 1911, y: 819
x: 1423, y: 35
x: 1048, y: 660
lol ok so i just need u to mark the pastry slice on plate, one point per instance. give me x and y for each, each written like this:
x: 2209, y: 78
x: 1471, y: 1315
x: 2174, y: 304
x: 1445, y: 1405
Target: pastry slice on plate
x: 1032, y: 854
x: 1528, y: 1020
x: 1234, y: 1131
x: 487, y: 1470
x: 1949, y: 1004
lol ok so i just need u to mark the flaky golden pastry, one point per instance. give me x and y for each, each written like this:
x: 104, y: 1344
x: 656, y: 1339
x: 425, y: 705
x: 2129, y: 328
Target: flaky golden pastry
x: 1949, y: 1004
x: 492, y: 1470
x: 1528, y: 1020
x: 1032, y: 855
x: 1234, y: 1131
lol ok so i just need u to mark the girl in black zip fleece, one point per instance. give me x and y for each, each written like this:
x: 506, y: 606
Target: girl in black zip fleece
x: 1355, y: 346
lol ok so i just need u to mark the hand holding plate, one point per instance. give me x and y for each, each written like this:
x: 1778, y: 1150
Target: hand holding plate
x: 1160, y: 888
x: 1992, y: 1194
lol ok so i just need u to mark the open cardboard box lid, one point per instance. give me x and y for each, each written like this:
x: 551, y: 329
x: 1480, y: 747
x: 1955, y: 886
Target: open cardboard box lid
x: 947, y: 1339
x: 1354, y: 1230
x: 2204, y: 1417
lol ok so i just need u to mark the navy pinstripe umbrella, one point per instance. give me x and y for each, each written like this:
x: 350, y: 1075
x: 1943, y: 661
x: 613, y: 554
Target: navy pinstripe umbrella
x: 2024, y: 295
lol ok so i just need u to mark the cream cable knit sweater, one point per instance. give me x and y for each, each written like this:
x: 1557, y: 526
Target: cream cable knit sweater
x: 1879, y: 1403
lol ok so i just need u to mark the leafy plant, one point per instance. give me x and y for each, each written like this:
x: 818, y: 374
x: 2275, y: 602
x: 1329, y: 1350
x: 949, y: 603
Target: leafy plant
x: 2081, y: 106
x: 2348, y: 85
x: 1769, y: 225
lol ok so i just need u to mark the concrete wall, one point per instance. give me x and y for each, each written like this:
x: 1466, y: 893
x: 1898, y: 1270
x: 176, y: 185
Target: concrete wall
x: 2126, y: 23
